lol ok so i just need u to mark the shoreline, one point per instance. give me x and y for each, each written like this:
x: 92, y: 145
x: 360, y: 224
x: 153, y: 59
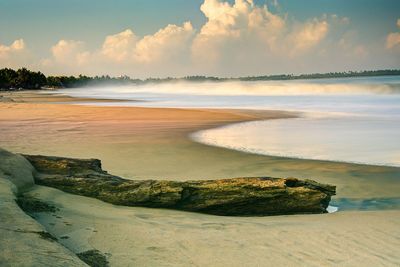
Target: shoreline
x: 250, y: 115
x: 261, y: 116
x: 131, y: 141
x: 194, y: 138
x: 197, y: 140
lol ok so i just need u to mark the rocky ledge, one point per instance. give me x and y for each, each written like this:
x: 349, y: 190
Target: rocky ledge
x: 256, y: 196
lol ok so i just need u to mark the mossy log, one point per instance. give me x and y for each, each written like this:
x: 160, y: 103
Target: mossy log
x: 253, y: 196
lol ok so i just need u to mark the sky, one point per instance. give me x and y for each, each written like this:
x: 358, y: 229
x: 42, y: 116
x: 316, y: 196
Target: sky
x: 227, y: 38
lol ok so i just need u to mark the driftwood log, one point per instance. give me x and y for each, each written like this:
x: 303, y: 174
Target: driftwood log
x: 256, y: 196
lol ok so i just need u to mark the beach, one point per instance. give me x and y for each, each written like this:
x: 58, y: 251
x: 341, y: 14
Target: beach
x: 155, y: 237
x: 153, y: 143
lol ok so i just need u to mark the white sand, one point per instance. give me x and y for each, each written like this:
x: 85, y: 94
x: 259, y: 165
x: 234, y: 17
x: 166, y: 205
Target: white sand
x: 154, y: 237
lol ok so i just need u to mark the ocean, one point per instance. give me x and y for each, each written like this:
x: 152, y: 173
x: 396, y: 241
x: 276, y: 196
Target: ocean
x: 348, y: 119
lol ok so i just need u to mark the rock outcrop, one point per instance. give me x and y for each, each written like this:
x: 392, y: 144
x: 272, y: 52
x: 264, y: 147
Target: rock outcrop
x: 23, y: 241
x: 16, y: 169
x: 256, y: 196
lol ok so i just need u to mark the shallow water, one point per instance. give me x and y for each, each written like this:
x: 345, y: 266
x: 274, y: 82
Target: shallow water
x: 351, y: 120
x: 349, y: 139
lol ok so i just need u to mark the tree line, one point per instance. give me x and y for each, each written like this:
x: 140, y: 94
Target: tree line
x: 25, y: 79
x: 345, y: 74
x: 22, y: 78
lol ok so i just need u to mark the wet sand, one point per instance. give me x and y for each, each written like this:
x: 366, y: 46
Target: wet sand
x: 153, y: 143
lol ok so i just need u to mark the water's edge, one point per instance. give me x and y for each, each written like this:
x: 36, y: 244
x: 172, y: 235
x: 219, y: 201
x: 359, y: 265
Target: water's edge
x: 198, y: 137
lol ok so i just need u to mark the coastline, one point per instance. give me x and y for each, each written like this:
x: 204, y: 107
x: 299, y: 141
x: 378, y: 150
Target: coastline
x: 148, y: 143
x: 153, y: 143
x: 198, y: 137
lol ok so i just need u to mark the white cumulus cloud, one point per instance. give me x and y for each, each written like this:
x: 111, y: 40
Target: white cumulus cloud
x: 14, y: 55
x: 70, y: 52
x: 15, y: 47
x: 238, y: 38
x: 393, y: 39
x: 165, y: 44
x: 229, y: 24
x: 120, y: 47
x: 243, y: 31
x: 308, y: 35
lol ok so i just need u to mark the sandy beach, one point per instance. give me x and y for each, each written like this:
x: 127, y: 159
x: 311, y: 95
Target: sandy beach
x: 154, y: 237
x: 153, y: 143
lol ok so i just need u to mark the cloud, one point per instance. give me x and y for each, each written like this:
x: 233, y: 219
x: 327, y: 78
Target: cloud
x: 393, y: 39
x: 13, y: 55
x: 67, y: 57
x: 349, y: 49
x: 125, y: 52
x: 238, y: 38
x: 119, y: 47
x: 70, y: 52
x: 242, y: 21
x: 165, y: 44
x: 308, y: 36
x: 246, y: 31
x: 337, y: 19
x: 16, y: 47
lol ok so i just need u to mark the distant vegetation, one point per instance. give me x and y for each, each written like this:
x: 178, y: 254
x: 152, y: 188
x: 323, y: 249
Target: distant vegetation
x: 25, y: 79
x: 21, y: 78
x: 346, y: 74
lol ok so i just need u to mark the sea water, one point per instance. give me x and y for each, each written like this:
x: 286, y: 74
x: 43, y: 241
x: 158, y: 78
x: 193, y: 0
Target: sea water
x: 348, y: 119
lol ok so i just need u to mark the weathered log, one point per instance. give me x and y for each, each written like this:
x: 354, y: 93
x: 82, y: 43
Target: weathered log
x: 253, y: 196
